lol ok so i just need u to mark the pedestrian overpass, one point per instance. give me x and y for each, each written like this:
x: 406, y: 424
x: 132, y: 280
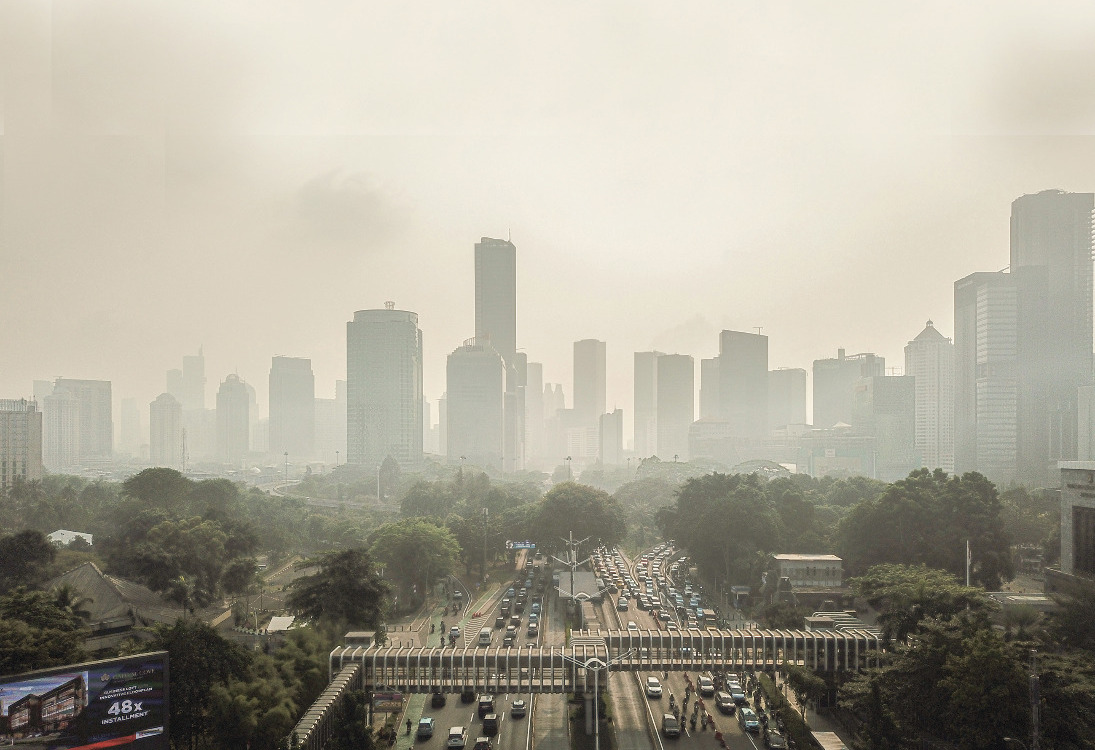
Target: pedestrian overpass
x: 566, y: 669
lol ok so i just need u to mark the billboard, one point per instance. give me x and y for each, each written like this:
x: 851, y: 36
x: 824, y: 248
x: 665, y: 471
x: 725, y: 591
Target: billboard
x: 387, y: 701
x: 109, y: 703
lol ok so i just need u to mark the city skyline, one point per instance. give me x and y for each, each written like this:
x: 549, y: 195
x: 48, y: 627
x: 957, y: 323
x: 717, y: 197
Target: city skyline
x: 153, y: 205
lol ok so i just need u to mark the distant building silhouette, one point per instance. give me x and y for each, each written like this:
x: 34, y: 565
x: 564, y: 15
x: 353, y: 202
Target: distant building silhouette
x: 233, y: 421
x: 78, y: 424
x: 676, y: 404
x: 20, y: 442
x: 611, y: 436
x: 292, y: 407
x: 167, y: 442
x: 743, y: 383
x: 129, y: 442
x: 834, y: 385
x: 590, y: 379
x: 786, y: 397
x: 475, y: 392
x: 929, y: 359
x: 885, y: 409
x: 534, y: 415
x: 709, y: 388
x: 384, y: 388
x: 646, y: 404
x: 331, y: 425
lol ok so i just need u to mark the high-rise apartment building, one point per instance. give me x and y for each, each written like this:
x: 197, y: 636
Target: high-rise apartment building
x: 646, y: 404
x: 676, y: 404
x: 743, y: 383
x: 1051, y: 256
x: 292, y: 407
x: 475, y: 381
x: 786, y: 397
x: 834, y: 385
x: 610, y: 433
x: 331, y: 426
x: 590, y: 380
x: 20, y: 442
x: 167, y: 439
x: 986, y: 386
x: 709, y: 388
x: 929, y: 359
x: 534, y: 414
x: 884, y: 408
x: 233, y: 421
x: 93, y: 441
x: 384, y: 388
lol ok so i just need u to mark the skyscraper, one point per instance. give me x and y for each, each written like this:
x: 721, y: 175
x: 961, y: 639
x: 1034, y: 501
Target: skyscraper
x: 20, y: 442
x: 61, y: 431
x: 929, y: 359
x: 646, y: 404
x: 786, y: 397
x: 384, y: 388
x: 884, y: 408
x: 743, y: 383
x: 834, y: 385
x: 475, y: 387
x: 610, y: 433
x: 709, y: 388
x: 496, y: 296
x: 95, y: 417
x: 676, y: 404
x: 590, y: 380
x: 292, y: 407
x: 167, y: 442
x: 1051, y: 257
x: 986, y: 388
x: 233, y: 421
x: 534, y: 414
x: 193, y: 380
x: 130, y: 439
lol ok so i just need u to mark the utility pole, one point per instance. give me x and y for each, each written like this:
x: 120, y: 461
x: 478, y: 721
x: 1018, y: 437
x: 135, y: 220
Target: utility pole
x: 486, y: 514
x: 1034, y: 699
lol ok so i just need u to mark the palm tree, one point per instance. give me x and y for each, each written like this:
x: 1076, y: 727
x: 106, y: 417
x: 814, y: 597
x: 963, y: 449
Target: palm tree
x: 69, y: 599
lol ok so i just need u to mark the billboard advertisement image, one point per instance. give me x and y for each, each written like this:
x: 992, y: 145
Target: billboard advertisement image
x: 110, y: 703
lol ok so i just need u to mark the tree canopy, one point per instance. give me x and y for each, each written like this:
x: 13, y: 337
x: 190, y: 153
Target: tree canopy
x: 586, y: 511
x: 345, y: 588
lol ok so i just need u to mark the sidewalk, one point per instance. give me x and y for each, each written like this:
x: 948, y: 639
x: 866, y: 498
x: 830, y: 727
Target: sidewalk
x: 816, y: 722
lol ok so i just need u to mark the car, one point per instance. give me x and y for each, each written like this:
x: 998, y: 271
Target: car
x: 663, y: 615
x: 482, y: 743
x: 425, y: 728
x: 724, y: 702
x: 518, y: 709
x: 454, y: 632
x: 468, y: 696
x: 509, y: 639
x: 499, y: 622
x: 653, y: 687
x: 534, y: 618
x: 486, y: 704
x: 671, y: 727
x: 490, y: 724
x: 458, y: 737
x: 707, y: 687
x: 533, y: 630
x: 737, y: 693
x: 621, y: 605
x: 438, y: 700
x: 535, y: 609
x: 774, y: 738
x: 748, y: 720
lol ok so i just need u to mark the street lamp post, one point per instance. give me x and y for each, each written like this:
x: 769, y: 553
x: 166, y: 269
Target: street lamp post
x: 570, y: 475
x: 336, y: 459
x: 286, y: 468
x: 486, y: 514
x: 596, y: 665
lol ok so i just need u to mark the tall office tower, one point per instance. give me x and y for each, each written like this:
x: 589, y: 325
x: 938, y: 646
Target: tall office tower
x: 885, y: 408
x: 611, y: 436
x: 475, y: 396
x: 167, y: 439
x: 20, y: 442
x: 61, y: 431
x: 1085, y: 435
x: 233, y: 421
x: 589, y: 381
x: 986, y: 389
x: 646, y: 403
x: 384, y: 388
x: 427, y: 426
x: 834, y: 385
x: 496, y: 296
x: 786, y: 397
x: 496, y: 324
x: 534, y: 414
x: 676, y: 404
x: 193, y: 381
x: 42, y: 388
x: 328, y: 431
x: 129, y: 441
x: 554, y: 400
x: 292, y: 407
x: 709, y: 388
x: 743, y: 383
x: 96, y: 423
x: 929, y: 358
x: 1051, y: 251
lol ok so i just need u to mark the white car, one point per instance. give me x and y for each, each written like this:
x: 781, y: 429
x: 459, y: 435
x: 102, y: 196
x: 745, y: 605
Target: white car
x: 458, y: 737
x: 653, y: 687
x: 707, y: 687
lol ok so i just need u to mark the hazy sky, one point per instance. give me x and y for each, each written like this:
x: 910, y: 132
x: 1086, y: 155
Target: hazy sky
x: 246, y: 175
